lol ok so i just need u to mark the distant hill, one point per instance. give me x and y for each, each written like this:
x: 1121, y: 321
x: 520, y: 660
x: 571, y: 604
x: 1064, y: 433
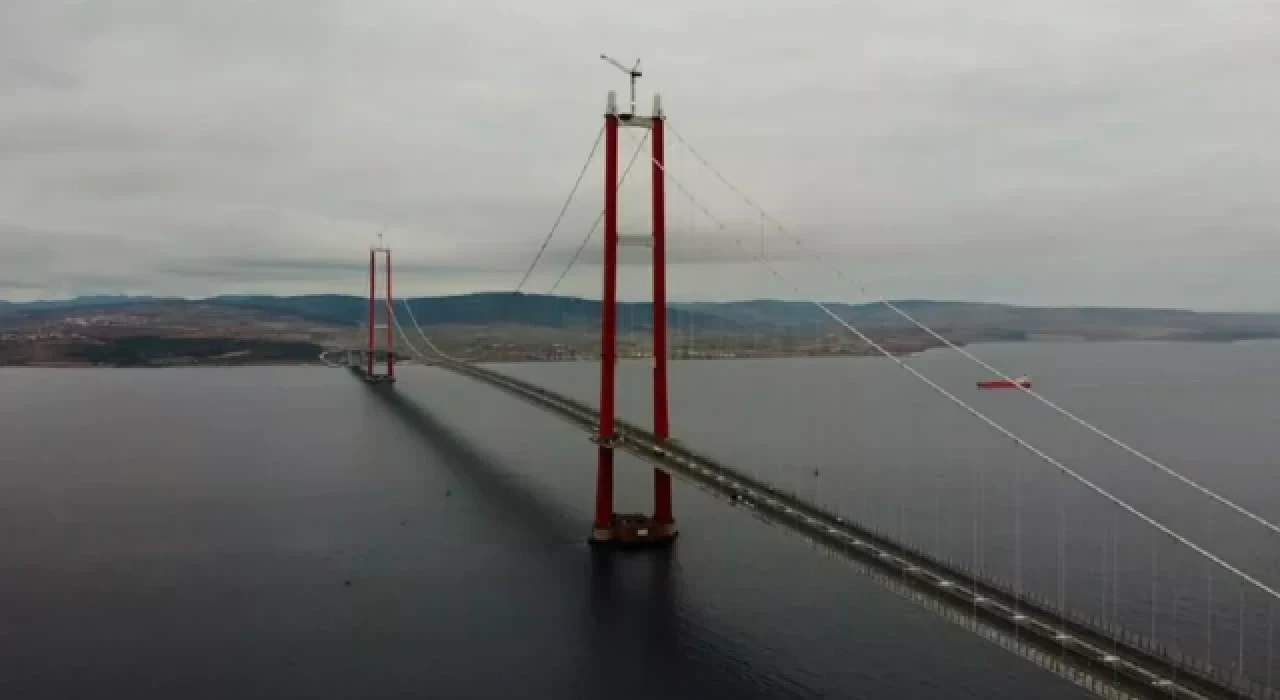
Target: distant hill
x: 76, y: 303
x: 968, y: 319
x: 480, y: 309
x: 58, y: 307
x: 976, y: 314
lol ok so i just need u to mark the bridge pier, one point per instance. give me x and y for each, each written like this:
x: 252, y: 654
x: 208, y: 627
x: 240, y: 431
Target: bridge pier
x: 663, y: 516
x: 602, y: 528
x: 631, y: 529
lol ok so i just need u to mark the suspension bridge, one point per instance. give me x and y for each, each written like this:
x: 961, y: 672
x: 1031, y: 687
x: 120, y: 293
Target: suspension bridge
x: 1092, y: 645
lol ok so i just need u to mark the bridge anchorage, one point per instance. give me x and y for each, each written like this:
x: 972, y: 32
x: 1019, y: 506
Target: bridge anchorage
x: 632, y: 529
x: 368, y: 369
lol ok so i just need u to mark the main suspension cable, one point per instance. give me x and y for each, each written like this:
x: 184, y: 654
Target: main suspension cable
x: 599, y: 217
x: 423, y: 334
x: 984, y: 418
x: 560, y: 217
x: 1117, y: 442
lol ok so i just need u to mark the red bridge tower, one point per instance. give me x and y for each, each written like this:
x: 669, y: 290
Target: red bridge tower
x: 609, y: 527
x: 371, y: 353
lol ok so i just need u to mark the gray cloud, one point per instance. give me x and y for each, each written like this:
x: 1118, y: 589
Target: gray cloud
x: 1056, y: 151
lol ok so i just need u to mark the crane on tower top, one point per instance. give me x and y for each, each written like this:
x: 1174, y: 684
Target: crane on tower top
x: 633, y: 72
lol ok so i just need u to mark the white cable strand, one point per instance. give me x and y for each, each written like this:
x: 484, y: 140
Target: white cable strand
x: 1091, y: 427
x: 560, y: 217
x: 1047, y: 458
x: 430, y: 344
x: 405, y: 337
x: 1062, y: 411
x: 599, y: 217
x: 1215, y: 559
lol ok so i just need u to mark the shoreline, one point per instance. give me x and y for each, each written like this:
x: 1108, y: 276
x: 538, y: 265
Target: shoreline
x: 320, y: 362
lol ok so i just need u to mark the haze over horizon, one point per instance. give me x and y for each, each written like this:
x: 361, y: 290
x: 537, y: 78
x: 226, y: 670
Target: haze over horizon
x: 1053, y: 152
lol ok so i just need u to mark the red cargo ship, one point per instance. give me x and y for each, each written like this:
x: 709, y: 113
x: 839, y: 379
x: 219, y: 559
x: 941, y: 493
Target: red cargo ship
x: 1022, y: 382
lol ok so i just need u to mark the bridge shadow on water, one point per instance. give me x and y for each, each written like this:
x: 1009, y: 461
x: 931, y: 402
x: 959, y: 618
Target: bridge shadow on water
x: 639, y: 637
x: 538, y: 516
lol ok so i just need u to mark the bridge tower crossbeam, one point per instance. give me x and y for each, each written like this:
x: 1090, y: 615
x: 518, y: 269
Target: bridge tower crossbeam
x: 610, y: 528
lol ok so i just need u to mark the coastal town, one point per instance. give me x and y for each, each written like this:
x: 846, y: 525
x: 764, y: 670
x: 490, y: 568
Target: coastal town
x: 191, y: 333
x: 298, y: 330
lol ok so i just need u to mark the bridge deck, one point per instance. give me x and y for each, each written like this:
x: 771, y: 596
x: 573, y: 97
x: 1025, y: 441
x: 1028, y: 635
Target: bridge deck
x: 1107, y: 661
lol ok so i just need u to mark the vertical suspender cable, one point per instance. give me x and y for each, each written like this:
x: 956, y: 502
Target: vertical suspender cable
x: 1115, y: 587
x: 1240, y: 632
x: 1271, y: 619
x: 1062, y: 552
x: 1209, y: 608
x: 1154, y: 574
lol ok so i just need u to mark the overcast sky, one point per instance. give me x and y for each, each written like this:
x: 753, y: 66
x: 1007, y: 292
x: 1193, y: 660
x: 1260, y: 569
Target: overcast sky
x: 1118, y: 152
